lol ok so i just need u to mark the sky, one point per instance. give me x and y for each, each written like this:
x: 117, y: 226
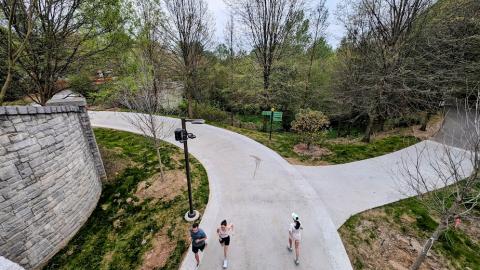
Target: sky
x: 219, y: 12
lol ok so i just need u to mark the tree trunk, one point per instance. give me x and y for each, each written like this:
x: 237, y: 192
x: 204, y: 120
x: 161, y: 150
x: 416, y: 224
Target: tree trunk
x: 368, y: 131
x: 157, y: 147
x: 426, y: 247
x: 5, y: 86
x: 309, y: 72
x: 189, y: 105
x: 266, y: 85
x: 425, y: 121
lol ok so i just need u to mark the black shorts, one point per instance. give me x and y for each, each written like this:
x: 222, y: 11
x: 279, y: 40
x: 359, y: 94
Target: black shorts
x: 196, y: 249
x: 225, y: 241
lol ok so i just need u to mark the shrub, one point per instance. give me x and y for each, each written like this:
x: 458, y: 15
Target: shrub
x: 311, y: 125
x: 209, y: 112
x: 81, y: 83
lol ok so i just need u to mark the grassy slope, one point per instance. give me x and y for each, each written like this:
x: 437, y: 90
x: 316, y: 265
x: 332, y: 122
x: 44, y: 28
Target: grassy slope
x: 342, y: 152
x: 375, y: 239
x: 102, y: 245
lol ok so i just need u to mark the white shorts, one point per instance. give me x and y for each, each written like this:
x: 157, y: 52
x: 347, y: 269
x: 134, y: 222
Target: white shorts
x: 295, y: 237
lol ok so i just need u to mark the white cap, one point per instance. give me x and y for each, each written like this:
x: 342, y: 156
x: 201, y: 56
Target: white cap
x: 294, y: 216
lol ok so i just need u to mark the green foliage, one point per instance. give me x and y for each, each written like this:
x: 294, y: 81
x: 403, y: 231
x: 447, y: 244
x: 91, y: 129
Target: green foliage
x: 311, y: 126
x: 208, y: 112
x: 107, y: 94
x: 118, y: 233
x: 343, y: 153
x: 283, y: 143
x: 460, y: 249
x: 81, y: 83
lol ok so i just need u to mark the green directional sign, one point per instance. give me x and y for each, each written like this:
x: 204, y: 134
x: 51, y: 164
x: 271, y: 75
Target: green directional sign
x: 266, y: 113
x: 277, y: 116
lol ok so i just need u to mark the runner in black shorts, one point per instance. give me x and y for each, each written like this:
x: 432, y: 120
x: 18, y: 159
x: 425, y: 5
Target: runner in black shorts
x: 225, y: 241
x: 196, y: 249
x: 224, y: 233
x: 198, y: 241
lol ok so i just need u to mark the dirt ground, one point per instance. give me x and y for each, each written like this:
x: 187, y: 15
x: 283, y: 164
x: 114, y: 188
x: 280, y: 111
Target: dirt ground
x: 156, y: 257
x: 173, y: 183
x: 314, y: 151
x: 433, y: 127
x: 377, y: 243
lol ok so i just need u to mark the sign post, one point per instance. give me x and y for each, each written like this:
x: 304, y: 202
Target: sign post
x: 265, y: 114
x: 273, y: 117
x: 271, y: 123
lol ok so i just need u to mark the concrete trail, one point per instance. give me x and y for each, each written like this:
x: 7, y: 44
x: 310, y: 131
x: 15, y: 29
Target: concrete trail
x: 351, y: 188
x: 257, y: 190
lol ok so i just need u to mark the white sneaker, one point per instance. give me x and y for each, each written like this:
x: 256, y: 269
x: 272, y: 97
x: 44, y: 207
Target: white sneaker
x: 225, y: 264
x: 297, y: 262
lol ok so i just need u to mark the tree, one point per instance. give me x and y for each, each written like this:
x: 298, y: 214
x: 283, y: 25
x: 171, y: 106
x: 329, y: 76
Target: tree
x: 230, y: 40
x: 378, y: 33
x: 459, y: 190
x: 319, y: 23
x: 268, y: 25
x: 15, y: 10
x: 147, y: 103
x: 187, y: 35
x: 310, y: 125
x: 446, y: 53
x: 65, y: 32
x: 150, y: 17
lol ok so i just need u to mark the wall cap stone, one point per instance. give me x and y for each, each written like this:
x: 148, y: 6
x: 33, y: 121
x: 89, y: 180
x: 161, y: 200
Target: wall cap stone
x: 16, y: 110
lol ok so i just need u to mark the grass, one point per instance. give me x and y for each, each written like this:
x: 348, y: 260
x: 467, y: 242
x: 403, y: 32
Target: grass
x: 409, y: 218
x: 118, y: 233
x: 342, y: 152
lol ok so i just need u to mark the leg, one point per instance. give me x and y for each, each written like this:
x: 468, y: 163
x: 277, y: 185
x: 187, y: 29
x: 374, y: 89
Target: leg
x: 195, y: 251
x: 225, y: 251
x: 297, y: 249
x: 289, y: 242
x: 197, y: 258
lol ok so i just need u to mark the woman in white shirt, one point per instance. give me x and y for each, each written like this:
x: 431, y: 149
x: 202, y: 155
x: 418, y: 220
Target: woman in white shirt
x: 294, y: 236
x: 224, y: 232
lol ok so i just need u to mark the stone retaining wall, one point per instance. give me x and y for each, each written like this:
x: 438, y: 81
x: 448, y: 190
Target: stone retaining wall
x: 50, y: 180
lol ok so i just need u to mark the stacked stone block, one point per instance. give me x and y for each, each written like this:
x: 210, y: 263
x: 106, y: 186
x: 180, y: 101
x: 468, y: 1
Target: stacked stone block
x: 50, y: 180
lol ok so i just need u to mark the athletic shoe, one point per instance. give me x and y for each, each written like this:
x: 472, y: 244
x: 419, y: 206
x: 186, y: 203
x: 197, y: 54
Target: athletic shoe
x: 289, y: 249
x: 297, y: 262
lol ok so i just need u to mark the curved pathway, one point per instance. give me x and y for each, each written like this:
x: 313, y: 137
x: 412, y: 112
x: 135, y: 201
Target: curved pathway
x: 257, y: 190
x: 351, y: 188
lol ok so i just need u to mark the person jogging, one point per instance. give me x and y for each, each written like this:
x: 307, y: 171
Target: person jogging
x: 198, y: 241
x: 224, y: 232
x: 294, y: 237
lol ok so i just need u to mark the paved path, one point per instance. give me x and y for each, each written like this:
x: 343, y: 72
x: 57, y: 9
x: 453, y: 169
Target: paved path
x: 350, y: 188
x: 6, y: 264
x: 257, y: 190
x: 459, y: 128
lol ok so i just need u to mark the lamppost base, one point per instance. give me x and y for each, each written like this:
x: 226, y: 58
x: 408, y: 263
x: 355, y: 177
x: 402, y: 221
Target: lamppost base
x: 195, y: 216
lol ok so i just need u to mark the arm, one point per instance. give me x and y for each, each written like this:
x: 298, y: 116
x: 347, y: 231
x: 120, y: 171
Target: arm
x: 202, y: 239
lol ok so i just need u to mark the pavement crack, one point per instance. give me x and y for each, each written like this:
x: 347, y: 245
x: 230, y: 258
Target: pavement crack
x: 257, y: 164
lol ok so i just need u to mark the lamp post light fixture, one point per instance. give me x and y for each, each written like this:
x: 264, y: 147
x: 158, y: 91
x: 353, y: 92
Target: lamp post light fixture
x: 182, y: 136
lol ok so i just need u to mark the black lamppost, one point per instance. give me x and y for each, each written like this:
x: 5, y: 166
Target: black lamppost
x: 182, y: 136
